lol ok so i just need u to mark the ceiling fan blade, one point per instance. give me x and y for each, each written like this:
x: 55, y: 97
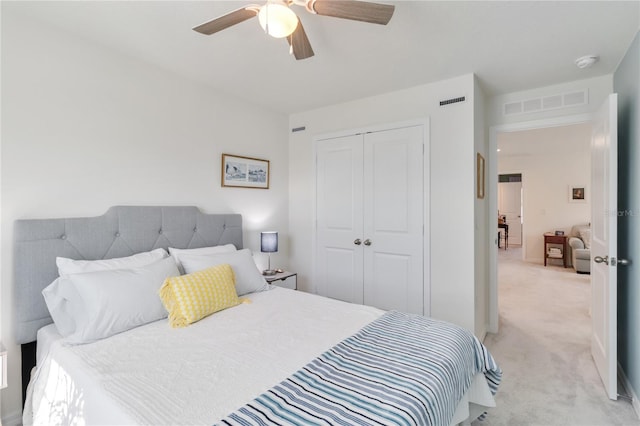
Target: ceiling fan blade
x: 226, y: 21
x: 374, y: 13
x: 300, y: 43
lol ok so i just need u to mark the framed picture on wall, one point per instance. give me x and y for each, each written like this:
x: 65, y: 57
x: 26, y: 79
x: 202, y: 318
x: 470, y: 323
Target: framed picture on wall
x: 244, y: 172
x: 480, y: 175
x: 577, y: 193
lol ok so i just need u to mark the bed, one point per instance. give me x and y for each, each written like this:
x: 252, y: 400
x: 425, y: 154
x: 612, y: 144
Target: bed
x: 280, y: 357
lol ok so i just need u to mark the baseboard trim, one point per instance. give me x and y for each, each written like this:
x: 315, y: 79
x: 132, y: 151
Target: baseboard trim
x: 13, y: 419
x: 635, y: 403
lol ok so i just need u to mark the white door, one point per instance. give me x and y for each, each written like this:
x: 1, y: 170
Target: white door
x: 510, y: 205
x: 339, y: 218
x: 604, y: 181
x: 393, y: 219
x: 369, y: 235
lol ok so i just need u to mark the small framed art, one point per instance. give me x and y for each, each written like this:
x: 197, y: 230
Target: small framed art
x: 577, y: 194
x: 244, y: 172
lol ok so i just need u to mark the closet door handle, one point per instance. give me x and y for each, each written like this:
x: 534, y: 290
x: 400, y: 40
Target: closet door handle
x: 357, y: 241
x: 367, y: 242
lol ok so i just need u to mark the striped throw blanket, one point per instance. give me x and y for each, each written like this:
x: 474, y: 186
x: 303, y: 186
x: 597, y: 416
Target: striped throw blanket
x: 400, y: 369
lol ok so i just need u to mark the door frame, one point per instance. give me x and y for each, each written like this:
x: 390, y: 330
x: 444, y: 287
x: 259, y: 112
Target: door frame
x: 425, y: 122
x: 492, y: 193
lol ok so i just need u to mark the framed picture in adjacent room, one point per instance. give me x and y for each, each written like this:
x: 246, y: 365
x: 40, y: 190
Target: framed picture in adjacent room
x: 245, y: 172
x: 577, y: 193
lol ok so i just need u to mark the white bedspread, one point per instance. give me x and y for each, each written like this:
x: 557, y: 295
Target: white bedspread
x: 196, y: 375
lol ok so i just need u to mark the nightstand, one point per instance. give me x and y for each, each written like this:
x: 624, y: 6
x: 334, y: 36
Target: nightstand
x: 561, y: 253
x: 284, y: 279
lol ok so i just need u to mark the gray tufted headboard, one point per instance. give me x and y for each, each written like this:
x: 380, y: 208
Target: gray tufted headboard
x: 121, y: 231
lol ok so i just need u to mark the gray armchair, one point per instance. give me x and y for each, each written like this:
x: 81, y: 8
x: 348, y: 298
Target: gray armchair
x: 580, y: 246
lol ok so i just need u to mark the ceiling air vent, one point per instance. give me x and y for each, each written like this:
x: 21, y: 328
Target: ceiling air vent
x: 546, y: 103
x: 452, y: 101
x: 575, y: 98
x: 532, y: 105
x: 550, y: 102
x: 513, y: 108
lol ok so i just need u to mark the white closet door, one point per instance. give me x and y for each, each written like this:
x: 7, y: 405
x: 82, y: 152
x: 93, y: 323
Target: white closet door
x: 339, y: 218
x: 393, y: 219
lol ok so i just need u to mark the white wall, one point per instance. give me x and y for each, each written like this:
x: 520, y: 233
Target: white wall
x: 550, y: 160
x: 627, y: 85
x: 452, y: 191
x: 84, y: 129
x: 483, y: 236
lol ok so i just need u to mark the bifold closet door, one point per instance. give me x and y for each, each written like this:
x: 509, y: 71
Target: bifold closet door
x: 369, y: 211
x: 339, y: 215
x: 393, y: 219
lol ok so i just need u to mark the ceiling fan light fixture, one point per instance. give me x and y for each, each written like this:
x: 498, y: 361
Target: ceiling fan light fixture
x: 277, y: 20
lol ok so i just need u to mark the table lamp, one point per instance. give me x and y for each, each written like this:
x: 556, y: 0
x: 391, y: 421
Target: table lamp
x: 269, y: 244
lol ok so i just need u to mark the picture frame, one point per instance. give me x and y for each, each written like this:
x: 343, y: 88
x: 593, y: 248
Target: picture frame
x: 480, y: 181
x: 577, y: 193
x: 244, y: 172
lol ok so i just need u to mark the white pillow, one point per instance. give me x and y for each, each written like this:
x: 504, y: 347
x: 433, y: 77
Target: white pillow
x: 178, y: 253
x: 248, y: 277
x: 93, y: 305
x: 56, y: 297
x: 70, y: 266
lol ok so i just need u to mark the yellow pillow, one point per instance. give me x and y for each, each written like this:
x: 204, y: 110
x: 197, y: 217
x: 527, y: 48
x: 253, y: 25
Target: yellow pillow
x: 191, y: 297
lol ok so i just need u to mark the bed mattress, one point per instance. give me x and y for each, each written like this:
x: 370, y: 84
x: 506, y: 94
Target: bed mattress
x: 197, y: 375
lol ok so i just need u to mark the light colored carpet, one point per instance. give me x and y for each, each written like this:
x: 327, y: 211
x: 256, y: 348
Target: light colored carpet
x: 543, y: 348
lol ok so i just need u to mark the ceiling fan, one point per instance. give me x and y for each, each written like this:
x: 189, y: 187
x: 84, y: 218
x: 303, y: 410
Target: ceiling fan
x: 278, y: 20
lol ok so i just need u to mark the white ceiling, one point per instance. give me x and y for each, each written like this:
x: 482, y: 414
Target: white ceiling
x: 510, y: 46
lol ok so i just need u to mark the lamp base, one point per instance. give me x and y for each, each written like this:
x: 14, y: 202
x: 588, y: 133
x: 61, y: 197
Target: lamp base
x: 269, y: 272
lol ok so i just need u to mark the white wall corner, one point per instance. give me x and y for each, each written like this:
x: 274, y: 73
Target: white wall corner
x: 13, y: 419
x: 626, y: 384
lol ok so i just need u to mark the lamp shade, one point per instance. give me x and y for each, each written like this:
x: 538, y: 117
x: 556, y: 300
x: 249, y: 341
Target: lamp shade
x: 277, y: 19
x: 269, y: 242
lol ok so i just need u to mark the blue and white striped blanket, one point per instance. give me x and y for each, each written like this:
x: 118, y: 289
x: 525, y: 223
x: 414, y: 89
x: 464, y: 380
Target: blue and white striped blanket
x: 400, y: 369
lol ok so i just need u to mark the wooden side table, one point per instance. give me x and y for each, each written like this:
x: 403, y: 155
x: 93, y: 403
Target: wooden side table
x: 551, y: 238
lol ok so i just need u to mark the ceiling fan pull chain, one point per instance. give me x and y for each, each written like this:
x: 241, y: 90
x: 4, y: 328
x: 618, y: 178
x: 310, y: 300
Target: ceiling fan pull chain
x: 291, y: 44
x: 266, y: 27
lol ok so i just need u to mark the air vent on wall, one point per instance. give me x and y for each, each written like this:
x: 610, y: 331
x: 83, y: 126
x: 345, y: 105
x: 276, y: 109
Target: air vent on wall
x: 545, y: 103
x: 575, y: 98
x: 452, y: 101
